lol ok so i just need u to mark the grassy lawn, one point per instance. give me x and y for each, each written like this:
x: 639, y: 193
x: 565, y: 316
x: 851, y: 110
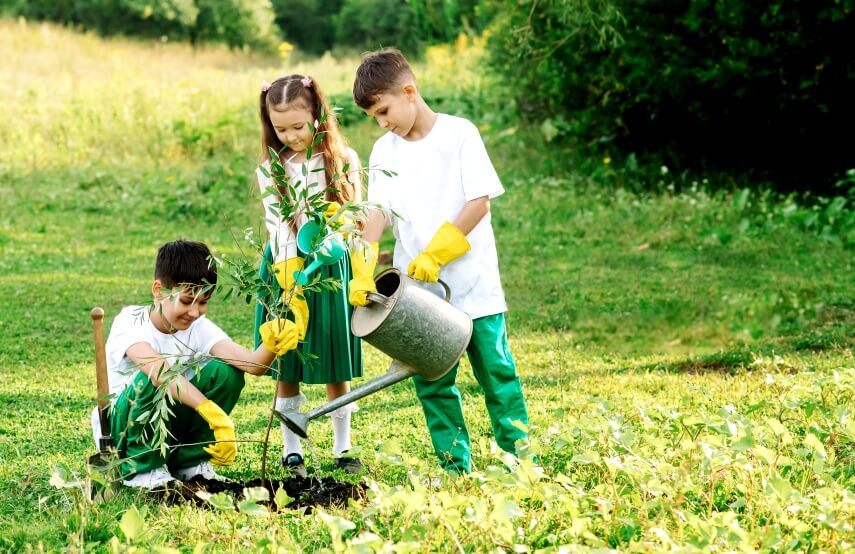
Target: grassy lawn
x: 686, y: 354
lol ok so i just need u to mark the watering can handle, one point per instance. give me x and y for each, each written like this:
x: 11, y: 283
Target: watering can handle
x: 446, y: 288
x: 384, y: 300
x: 378, y: 298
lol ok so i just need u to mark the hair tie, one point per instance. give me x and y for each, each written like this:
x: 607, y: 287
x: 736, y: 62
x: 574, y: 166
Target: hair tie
x: 307, y: 81
x: 265, y: 86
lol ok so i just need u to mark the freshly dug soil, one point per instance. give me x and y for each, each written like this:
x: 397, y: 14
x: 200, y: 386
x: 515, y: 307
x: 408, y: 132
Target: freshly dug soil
x: 306, y: 491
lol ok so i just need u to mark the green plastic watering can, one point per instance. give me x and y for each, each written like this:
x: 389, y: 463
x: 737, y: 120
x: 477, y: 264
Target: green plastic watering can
x: 326, y: 250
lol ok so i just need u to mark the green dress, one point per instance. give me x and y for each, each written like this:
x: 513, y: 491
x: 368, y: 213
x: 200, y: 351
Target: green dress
x: 338, y: 351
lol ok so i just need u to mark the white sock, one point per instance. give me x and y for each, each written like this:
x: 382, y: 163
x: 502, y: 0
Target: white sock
x: 341, y: 431
x: 292, y: 444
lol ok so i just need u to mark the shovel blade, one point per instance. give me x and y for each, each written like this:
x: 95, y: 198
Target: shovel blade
x: 102, y: 481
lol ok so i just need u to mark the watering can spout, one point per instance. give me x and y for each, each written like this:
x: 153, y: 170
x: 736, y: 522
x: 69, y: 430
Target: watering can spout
x: 302, y: 276
x: 299, y: 422
x: 422, y: 333
x: 295, y: 421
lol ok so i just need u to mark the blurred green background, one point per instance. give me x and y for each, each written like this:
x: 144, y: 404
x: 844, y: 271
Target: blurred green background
x: 761, y: 90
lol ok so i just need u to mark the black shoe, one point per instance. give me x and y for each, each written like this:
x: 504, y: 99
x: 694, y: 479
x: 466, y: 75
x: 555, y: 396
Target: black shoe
x: 348, y: 464
x: 295, y: 463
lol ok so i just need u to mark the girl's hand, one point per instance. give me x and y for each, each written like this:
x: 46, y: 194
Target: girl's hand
x: 279, y: 336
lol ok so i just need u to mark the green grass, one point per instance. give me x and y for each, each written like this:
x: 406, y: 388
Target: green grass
x: 686, y: 355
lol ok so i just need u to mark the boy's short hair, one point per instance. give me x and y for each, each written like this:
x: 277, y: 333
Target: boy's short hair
x: 185, y: 263
x: 379, y: 72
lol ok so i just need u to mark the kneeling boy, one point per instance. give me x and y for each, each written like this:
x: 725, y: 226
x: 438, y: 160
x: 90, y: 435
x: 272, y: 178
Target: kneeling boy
x: 144, y: 343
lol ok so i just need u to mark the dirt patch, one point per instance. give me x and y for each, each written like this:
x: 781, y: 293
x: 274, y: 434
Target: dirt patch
x: 307, y: 492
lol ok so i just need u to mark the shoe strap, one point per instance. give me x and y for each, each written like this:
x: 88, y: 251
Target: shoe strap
x: 293, y: 459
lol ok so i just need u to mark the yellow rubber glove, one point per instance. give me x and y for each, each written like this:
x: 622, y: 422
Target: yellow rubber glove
x: 297, y: 304
x: 362, y: 262
x: 223, y: 452
x: 332, y: 208
x: 279, y: 336
x: 344, y: 219
x: 448, y: 244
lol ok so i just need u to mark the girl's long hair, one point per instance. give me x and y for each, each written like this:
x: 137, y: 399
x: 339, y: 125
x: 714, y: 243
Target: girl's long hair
x: 289, y: 90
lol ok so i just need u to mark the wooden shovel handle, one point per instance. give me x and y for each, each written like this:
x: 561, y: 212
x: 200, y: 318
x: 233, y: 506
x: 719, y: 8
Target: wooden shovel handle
x: 101, y: 365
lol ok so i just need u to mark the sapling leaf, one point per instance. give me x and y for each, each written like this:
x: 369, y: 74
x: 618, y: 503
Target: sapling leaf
x: 250, y: 503
x: 338, y: 526
x: 588, y: 457
x: 270, y: 191
x: 256, y: 494
x: 220, y: 500
x: 505, y: 509
x: 742, y: 444
x: 132, y: 523
x: 62, y: 478
x: 281, y: 499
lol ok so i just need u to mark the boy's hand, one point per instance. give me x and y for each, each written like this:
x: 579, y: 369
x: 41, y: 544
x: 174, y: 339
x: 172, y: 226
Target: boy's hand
x: 224, y: 451
x: 297, y: 303
x: 363, y: 262
x: 279, y: 336
x: 448, y: 244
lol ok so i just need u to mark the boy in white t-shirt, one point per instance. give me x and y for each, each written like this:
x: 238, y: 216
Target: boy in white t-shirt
x: 144, y: 343
x: 442, y: 189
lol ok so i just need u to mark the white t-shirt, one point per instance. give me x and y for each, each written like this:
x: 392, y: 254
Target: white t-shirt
x: 436, y: 176
x: 283, y: 241
x: 133, y: 326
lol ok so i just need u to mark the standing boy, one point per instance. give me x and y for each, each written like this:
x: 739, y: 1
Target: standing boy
x: 442, y: 192
x: 145, y: 343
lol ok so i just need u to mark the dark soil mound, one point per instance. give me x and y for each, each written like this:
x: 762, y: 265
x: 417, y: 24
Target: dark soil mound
x: 306, y: 491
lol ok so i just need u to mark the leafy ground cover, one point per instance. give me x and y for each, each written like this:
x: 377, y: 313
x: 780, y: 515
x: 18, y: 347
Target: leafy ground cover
x: 686, y: 354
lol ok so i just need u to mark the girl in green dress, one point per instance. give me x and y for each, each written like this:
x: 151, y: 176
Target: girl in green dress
x: 291, y: 111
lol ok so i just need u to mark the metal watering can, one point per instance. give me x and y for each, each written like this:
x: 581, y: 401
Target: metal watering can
x: 424, y: 334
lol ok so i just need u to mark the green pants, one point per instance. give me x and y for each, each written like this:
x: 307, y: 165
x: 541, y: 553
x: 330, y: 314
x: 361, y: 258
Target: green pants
x: 496, y: 372
x: 217, y: 380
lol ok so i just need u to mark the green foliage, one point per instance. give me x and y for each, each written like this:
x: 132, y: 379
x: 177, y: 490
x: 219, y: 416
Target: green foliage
x: 307, y: 23
x: 236, y: 23
x: 372, y: 24
x: 760, y: 87
x: 442, y: 20
x: 553, y: 41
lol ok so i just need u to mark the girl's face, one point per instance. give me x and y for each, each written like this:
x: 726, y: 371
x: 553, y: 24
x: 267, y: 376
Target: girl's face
x: 292, y: 127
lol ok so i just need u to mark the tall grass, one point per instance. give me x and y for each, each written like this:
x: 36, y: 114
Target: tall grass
x: 72, y: 99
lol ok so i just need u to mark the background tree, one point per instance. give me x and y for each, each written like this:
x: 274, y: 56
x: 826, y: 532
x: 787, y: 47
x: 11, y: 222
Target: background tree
x: 745, y: 86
